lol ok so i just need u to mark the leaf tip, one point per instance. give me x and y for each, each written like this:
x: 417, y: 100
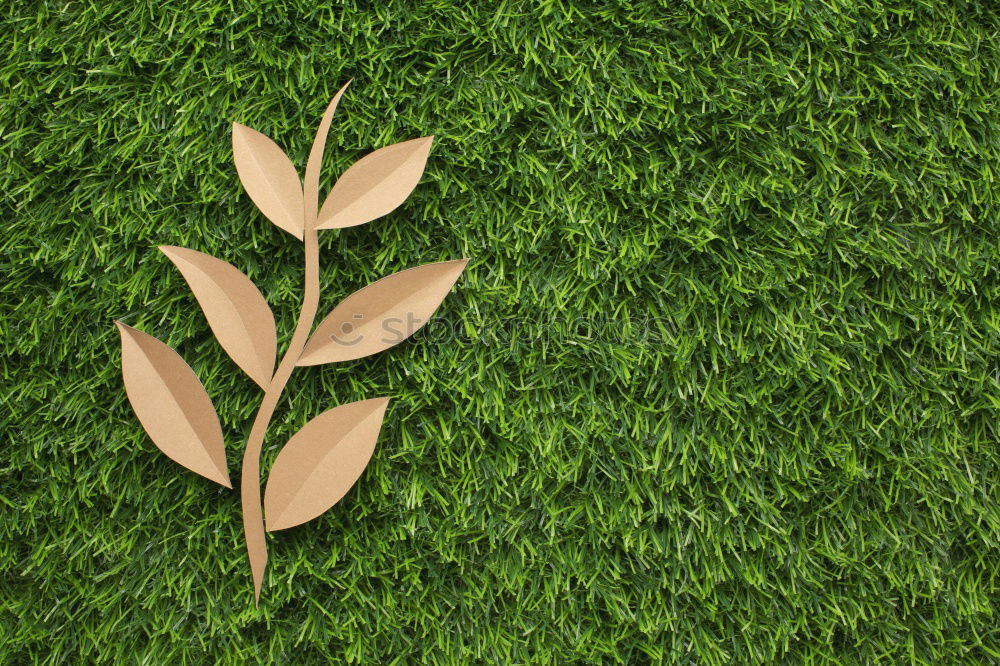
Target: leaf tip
x: 381, y: 404
x: 459, y: 265
x: 219, y: 474
x: 177, y: 255
x: 241, y: 134
x: 125, y: 329
x: 169, y: 250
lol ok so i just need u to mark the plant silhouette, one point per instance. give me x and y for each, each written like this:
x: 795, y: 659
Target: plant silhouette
x: 321, y: 462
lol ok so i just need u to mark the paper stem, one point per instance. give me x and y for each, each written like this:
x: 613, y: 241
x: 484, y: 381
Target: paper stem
x: 253, y: 518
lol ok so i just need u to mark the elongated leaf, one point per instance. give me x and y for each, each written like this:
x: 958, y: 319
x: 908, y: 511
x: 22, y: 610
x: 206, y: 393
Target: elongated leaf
x: 310, y: 186
x: 382, y: 314
x: 321, y: 462
x: 375, y: 185
x: 269, y: 178
x: 172, y: 405
x: 235, y: 309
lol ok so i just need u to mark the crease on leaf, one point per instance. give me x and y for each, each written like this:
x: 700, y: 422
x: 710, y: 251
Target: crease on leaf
x: 322, y: 462
x: 235, y: 310
x: 269, y: 178
x: 375, y: 185
x: 382, y: 314
x: 172, y: 405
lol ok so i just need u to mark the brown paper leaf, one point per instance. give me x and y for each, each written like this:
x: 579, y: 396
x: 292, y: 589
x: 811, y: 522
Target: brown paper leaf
x: 310, y: 187
x: 172, y: 405
x: 269, y: 178
x: 321, y: 462
x: 382, y: 314
x: 235, y: 309
x: 375, y: 185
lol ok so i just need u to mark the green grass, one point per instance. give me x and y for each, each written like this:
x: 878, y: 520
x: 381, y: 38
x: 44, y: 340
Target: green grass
x: 726, y: 385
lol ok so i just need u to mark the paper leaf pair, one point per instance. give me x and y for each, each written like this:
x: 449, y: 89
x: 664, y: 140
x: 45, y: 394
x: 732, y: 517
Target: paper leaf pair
x: 313, y: 471
x: 372, y: 187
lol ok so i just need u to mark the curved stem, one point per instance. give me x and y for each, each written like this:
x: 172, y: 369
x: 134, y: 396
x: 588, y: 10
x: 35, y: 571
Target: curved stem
x: 253, y: 519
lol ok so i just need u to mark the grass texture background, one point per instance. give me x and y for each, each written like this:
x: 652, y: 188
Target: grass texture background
x: 720, y: 384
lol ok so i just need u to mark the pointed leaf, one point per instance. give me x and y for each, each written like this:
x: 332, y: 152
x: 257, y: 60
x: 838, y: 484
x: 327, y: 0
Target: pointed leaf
x: 310, y: 187
x: 269, y: 178
x: 321, y: 462
x: 382, y: 314
x: 235, y: 309
x: 172, y: 405
x: 375, y: 185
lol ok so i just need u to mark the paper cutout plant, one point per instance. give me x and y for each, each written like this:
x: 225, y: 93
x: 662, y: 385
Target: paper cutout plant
x: 321, y: 462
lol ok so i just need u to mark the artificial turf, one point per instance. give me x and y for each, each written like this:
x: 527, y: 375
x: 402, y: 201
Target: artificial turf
x: 720, y: 384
